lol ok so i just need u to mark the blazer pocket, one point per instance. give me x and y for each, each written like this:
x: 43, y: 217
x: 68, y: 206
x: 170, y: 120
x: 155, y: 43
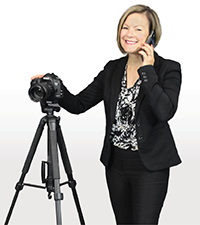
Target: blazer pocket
x: 161, y: 138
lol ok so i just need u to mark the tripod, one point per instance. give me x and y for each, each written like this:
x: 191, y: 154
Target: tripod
x: 52, y: 181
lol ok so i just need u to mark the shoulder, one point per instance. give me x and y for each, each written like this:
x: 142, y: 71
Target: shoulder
x: 166, y: 64
x: 167, y: 69
x: 120, y: 62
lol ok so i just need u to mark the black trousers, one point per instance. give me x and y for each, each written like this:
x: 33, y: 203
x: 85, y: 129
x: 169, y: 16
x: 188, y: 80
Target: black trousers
x: 137, y: 194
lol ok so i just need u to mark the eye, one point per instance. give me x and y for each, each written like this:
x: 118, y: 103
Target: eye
x: 138, y: 29
x: 125, y: 28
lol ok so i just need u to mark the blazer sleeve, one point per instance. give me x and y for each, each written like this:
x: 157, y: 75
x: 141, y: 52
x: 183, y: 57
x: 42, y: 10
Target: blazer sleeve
x: 86, y: 99
x: 162, y: 96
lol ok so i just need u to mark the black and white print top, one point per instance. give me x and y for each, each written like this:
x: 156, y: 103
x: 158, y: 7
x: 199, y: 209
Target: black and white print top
x: 123, y: 134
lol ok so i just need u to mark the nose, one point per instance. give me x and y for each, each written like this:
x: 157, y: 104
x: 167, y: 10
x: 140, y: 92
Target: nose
x: 130, y: 33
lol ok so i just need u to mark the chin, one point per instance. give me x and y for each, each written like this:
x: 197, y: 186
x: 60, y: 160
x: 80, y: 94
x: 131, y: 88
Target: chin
x: 132, y: 50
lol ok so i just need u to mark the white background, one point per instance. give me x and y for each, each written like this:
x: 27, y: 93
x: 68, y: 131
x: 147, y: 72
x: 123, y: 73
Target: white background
x: 75, y: 39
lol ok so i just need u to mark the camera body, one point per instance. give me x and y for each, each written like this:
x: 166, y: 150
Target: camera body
x: 47, y: 89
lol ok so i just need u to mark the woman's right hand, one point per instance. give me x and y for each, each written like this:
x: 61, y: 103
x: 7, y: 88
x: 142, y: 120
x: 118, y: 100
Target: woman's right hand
x: 37, y: 76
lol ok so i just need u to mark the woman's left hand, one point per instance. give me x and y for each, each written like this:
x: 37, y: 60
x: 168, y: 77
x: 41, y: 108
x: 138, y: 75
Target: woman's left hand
x: 147, y: 52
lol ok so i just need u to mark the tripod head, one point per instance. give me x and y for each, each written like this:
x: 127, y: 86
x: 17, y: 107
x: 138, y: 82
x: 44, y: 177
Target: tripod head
x: 49, y: 108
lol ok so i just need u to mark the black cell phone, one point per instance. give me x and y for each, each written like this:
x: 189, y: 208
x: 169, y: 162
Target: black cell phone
x: 152, y: 38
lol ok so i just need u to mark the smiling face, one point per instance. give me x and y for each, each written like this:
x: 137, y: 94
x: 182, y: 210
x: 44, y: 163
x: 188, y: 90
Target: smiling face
x: 134, y: 33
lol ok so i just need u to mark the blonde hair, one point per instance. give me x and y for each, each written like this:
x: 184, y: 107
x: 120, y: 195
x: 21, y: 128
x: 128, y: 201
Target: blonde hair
x: 154, y: 22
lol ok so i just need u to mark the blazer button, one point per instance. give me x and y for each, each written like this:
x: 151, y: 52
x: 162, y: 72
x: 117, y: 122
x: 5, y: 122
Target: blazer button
x: 138, y: 123
x: 140, y: 137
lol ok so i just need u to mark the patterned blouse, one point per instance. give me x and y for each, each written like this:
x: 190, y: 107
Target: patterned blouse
x: 123, y: 134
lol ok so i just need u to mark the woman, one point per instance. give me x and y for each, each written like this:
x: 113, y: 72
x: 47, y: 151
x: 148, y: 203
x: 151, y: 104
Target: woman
x: 140, y: 93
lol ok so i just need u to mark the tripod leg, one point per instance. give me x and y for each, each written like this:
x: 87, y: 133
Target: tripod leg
x: 68, y: 170
x: 26, y: 167
x: 53, y: 151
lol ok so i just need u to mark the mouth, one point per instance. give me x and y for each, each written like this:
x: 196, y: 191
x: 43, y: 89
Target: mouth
x: 131, y: 42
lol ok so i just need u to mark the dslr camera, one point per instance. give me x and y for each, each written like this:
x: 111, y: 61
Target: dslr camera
x: 47, y: 90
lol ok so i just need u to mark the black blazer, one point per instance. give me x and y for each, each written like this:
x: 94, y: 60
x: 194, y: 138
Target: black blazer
x: 156, y: 105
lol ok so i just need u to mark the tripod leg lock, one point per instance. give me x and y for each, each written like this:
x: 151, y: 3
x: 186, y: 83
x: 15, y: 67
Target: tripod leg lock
x: 19, y: 186
x: 72, y: 183
x: 58, y: 196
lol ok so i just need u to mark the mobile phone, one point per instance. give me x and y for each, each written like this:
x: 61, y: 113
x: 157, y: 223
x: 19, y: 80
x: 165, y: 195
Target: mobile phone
x: 152, y: 39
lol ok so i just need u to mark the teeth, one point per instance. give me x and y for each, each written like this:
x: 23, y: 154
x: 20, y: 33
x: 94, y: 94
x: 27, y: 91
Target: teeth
x: 131, y: 42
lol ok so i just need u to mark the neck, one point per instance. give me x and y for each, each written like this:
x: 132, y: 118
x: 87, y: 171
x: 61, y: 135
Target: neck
x: 134, y: 60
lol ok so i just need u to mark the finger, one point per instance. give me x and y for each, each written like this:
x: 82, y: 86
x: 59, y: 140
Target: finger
x: 148, y: 45
x: 148, y: 49
x: 152, y: 51
x: 37, y: 76
x: 142, y: 53
x: 151, y: 48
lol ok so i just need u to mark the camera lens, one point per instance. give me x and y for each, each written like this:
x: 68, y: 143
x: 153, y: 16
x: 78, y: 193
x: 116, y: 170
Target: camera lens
x: 37, y: 93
